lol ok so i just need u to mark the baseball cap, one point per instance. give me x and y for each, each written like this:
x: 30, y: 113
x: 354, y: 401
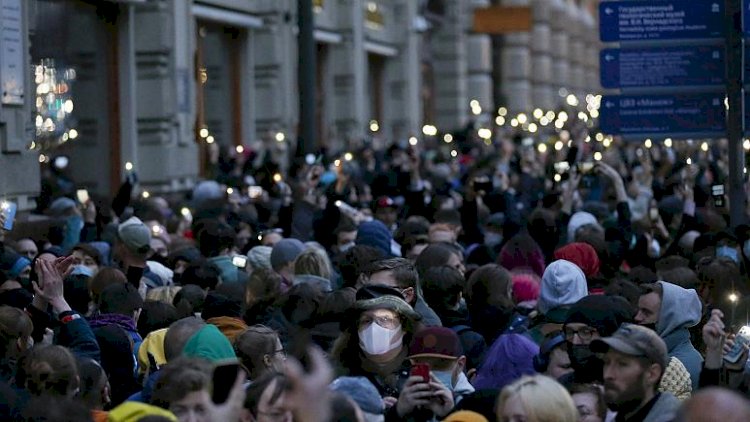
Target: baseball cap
x: 435, y: 342
x: 385, y: 202
x: 135, y: 235
x: 634, y: 340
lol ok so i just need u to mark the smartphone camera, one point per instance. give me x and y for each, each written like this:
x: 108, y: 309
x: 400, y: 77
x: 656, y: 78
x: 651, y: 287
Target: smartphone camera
x: 254, y: 192
x: 239, y: 261
x: 8, y: 210
x: 561, y: 167
x: 717, y: 193
x: 83, y: 196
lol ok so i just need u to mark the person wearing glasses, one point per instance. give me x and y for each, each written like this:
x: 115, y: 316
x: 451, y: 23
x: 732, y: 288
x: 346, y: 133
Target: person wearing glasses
x: 259, y: 349
x: 591, y: 318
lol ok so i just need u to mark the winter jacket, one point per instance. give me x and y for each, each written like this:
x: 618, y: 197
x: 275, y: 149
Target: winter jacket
x: 473, y: 344
x: 229, y: 272
x: 680, y: 310
x: 662, y: 409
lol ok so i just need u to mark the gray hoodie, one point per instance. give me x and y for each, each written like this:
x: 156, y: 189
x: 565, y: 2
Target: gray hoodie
x: 680, y: 309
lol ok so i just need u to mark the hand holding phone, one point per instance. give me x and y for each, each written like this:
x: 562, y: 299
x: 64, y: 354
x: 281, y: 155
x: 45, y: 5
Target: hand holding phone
x: 741, y: 340
x: 223, y: 379
x: 8, y: 211
x: 420, y: 370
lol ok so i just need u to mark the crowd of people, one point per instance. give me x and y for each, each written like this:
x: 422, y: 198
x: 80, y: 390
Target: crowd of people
x: 442, y: 279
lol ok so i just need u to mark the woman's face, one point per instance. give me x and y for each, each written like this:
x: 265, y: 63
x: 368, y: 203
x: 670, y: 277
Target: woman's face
x: 80, y: 258
x: 193, y: 407
x: 269, y: 411
x: 513, y: 410
x: 278, y: 357
x: 587, y: 405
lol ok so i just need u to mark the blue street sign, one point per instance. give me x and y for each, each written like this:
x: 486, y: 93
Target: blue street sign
x: 669, y: 115
x: 662, y: 66
x: 660, y: 20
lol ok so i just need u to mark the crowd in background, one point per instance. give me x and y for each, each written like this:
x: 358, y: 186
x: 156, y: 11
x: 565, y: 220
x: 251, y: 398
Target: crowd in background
x: 456, y: 279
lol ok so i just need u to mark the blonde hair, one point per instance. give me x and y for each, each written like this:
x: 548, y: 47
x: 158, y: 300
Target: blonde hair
x: 543, y: 399
x: 313, y: 262
x: 164, y: 294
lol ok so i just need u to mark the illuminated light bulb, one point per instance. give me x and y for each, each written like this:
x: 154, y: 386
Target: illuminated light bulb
x: 563, y: 116
x: 32, y: 145
x: 544, y: 121
x: 558, y: 146
x: 514, y: 122
x: 542, y: 148
x: 348, y: 156
x: 607, y: 142
x: 454, y: 153
x: 569, y: 143
x: 185, y: 211
x: 559, y: 124
x: 240, y: 149
x: 68, y: 106
x: 599, y: 137
x: 413, y: 141
x: 522, y: 118
x: 746, y: 144
x: 203, y: 132
x: 550, y: 115
x: 689, y: 161
x: 502, y: 111
x: 277, y: 178
x: 733, y: 297
x: 39, y: 121
x: 594, y: 114
x: 429, y: 130
x: 533, y: 127
x: 499, y: 120
x: 558, y: 178
x: 538, y: 113
x: 484, y: 133
x: 230, y: 191
x: 145, y: 194
x: 476, y: 111
x: 128, y: 166
x: 337, y: 163
x: 210, y: 139
x: 648, y: 143
x: 42, y: 158
x: 598, y: 156
x: 668, y: 142
x: 448, y: 138
x: 374, y: 126
x: 588, y: 139
x: 704, y: 147
x: 280, y: 137
x: 474, y: 104
x: 571, y: 100
x: 73, y: 134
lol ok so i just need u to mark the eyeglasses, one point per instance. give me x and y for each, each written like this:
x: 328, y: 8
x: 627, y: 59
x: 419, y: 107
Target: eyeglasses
x: 385, y: 322
x: 584, y: 333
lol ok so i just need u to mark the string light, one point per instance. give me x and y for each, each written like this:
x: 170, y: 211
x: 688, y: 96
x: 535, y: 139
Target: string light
x: 448, y: 138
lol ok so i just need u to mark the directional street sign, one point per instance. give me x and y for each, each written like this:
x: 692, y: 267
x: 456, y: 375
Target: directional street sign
x: 669, y: 115
x: 661, y: 20
x: 662, y: 67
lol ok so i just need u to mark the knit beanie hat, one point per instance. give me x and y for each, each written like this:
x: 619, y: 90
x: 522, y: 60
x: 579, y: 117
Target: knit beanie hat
x: 578, y: 220
x: 12, y: 264
x: 260, y: 257
x: 465, y: 416
x: 375, y: 234
x: 361, y: 391
x: 605, y: 313
x: 581, y: 254
x: 563, y: 283
x: 284, y: 252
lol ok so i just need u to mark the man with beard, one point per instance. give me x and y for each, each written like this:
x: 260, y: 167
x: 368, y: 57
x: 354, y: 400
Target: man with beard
x: 671, y: 310
x: 591, y: 318
x: 635, y: 358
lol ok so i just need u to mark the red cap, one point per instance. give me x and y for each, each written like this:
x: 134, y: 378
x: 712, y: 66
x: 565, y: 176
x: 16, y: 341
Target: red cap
x: 385, y: 202
x: 436, y: 342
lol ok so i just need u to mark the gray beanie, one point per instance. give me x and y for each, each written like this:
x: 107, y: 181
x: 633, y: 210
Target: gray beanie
x: 361, y: 390
x: 260, y: 257
x: 285, y: 251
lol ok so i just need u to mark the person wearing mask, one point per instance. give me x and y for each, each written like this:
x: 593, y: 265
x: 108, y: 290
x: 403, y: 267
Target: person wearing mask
x: 375, y: 338
x: 635, y: 358
x: 671, y: 310
x: 591, y: 318
x: 553, y: 359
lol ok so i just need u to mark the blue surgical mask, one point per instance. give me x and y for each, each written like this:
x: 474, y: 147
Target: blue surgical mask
x: 492, y: 239
x: 445, y: 377
x: 729, y: 252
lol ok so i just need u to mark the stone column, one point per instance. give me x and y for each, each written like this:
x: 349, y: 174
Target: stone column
x: 560, y: 41
x: 576, y: 80
x: 479, y: 58
x: 543, y: 94
x: 516, y: 67
x: 451, y: 69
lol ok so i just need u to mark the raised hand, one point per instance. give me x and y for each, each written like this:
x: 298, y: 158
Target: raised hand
x: 307, y: 396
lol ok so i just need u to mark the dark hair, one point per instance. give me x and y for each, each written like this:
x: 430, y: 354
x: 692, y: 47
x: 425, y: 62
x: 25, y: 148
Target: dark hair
x: 214, y: 237
x: 105, y: 277
x: 93, y: 379
x: 435, y: 255
x: 202, y: 273
x: 442, y: 287
x: 50, y: 408
x: 403, y: 271
x: 652, y: 288
x: 251, y: 347
x: 489, y: 285
x: 716, y: 276
x: 681, y: 276
x: 14, y: 324
x: 49, y: 370
x: 155, y: 315
x: 219, y: 305
x: 452, y: 217
x: 178, y: 335
x: 258, y: 387
x: 189, y: 300
x: 353, y: 262
x: 625, y: 289
x: 90, y: 251
x: 116, y: 347
x: 343, y: 409
x: 121, y: 298
x: 76, y: 292
x: 597, y: 391
x: 180, y: 377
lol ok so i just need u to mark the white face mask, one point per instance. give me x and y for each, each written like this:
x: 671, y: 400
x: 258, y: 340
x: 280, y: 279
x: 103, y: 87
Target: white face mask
x: 376, y: 340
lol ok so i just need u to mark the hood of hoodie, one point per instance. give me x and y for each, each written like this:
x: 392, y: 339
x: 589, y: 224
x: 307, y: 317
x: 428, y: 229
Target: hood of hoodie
x: 680, y: 309
x: 563, y: 283
x: 210, y: 344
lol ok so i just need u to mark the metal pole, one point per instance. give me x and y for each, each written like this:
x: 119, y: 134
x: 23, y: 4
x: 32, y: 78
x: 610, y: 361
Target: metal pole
x: 306, y: 72
x: 735, y: 114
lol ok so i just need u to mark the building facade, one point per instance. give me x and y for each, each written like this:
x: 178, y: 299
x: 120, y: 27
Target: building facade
x: 159, y: 86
